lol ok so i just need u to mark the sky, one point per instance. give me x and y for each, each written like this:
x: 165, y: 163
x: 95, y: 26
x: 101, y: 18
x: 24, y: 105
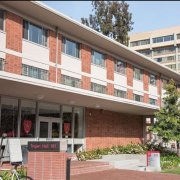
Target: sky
x: 146, y: 15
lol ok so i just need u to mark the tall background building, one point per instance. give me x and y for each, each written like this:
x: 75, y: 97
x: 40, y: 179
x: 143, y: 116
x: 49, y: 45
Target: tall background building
x: 162, y: 45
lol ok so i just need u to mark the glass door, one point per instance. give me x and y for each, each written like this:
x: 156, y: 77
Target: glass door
x: 55, y: 128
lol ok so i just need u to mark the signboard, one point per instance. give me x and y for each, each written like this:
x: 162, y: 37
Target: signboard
x: 153, y: 158
x: 44, y: 146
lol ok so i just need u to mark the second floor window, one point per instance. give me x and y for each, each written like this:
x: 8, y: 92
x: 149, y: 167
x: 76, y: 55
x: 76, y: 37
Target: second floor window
x: 1, y: 20
x: 98, y: 88
x: 152, y: 101
x: 119, y: 93
x: 98, y: 58
x: 35, y: 33
x: 138, y: 74
x: 70, y: 47
x: 1, y: 64
x: 119, y: 66
x: 70, y: 81
x: 138, y: 98
x: 152, y: 79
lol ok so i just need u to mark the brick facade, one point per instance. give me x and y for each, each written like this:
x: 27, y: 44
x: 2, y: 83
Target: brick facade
x: 86, y: 58
x: 146, y: 80
x: 129, y: 73
x: 13, y: 64
x: 130, y: 94
x: 110, y: 89
x: 52, y: 74
x: 158, y: 85
x: 105, y: 129
x: 159, y: 101
x: 14, y: 28
x: 146, y: 98
x: 86, y: 83
x: 110, y: 67
x: 47, y: 165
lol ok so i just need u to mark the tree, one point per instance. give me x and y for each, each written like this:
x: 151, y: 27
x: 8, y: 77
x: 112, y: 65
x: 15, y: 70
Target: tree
x: 168, y: 118
x: 112, y: 19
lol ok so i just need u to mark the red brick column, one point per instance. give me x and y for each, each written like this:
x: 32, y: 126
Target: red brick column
x: 14, y: 28
x: 13, y: 64
x: 47, y: 165
x: 129, y: 73
x: 146, y: 80
x: 110, y: 67
x: 86, y: 58
x: 158, y: 85
x: 146, y: 98
x: 110, y: 89
x: 158, y: 101
x: 86, y: 83
x: 52, y: 74
x: 130, y: 94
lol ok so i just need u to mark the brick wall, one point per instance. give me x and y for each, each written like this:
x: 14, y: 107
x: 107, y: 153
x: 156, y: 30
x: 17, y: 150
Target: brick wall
x: 14, y: 28
x: 146, y: 80
x: 110, y: 67
x: 86, y: 58
x: 130, y: 94
x: 158, y: 85
x: 47, y: 165
x: 159, y: 101
x: 110, y: 89
x: 13, y: 64
x: 52, y: 74
x: 52, y: 46
x: 86, y: 83
x: 111, y: 128
x: 146, y: 98
x: 129, y: 73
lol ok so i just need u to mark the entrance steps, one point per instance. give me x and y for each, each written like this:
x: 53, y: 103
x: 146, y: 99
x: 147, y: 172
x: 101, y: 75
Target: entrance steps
x: 82, y: 167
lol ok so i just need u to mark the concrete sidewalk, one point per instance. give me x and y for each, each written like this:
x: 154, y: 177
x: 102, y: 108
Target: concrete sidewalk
x: 117, y: 174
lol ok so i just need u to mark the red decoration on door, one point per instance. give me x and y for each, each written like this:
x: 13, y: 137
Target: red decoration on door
x: 27, y: 126
x: 66, y: 127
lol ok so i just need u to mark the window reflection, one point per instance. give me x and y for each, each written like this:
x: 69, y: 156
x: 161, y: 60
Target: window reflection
x: 35, y: 33
x: 98, y: 58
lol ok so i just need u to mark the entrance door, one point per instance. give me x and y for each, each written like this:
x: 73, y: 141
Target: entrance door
x: 49, y: 128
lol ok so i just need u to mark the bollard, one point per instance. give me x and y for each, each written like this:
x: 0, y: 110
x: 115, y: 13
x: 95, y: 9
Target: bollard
x: 68, y: 169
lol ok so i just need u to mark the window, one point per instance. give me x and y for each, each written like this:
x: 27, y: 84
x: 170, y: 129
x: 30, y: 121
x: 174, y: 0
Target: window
x: 34, y: 72
x: 152, y: 79
x: 146, y: 53
x: 70, y: 81
x: 178, y: 36
x: 137, y: 73
x: 165, y: 59
x: 164, y: 50
x: 152, y: 101
x: 1, y: 64
x: 119, y: 66
x: 35, y: 33
x: 171, y: 66
x: 120, y: 93
x: 98, y: 58
x: 98, y: 88
x: 139, y: 43
x: 1, y: 20
x: 168, y: 38
x: 70, y: 47
x: 138, y: 98
x: 163, y: 39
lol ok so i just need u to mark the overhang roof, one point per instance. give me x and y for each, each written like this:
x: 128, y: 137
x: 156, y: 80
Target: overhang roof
x: 54, y: 18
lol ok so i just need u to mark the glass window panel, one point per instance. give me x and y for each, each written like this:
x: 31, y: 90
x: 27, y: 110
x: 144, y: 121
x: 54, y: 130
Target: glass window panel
x: 138, y: 98
x: 28, y: 118
x: 152, y: 79
x: 78, y: 122
x: 35, y: 33
x: 167, y: 38
x: 120, y: 67
x: 148, y: 120
x: 1, y: 64
x: 44, y: 129
x: 152, y: 101
x: 25, y: 29
x: 178, y: 36
x: 49, y: 110
x: 119, y: 93
x: 98, y: 88
x: 1, y: 20
x: 45, y: 37
x: 67, y: 122
x: 98, y: 59
x: 137, y: 74
x: 55, y: 130
x: 63, y: 44
x: 9, y: 117
x: 70, y: 48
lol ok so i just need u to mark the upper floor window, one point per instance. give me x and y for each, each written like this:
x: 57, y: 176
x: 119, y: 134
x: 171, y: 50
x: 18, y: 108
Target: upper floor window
x: 34, y: 72
x: 1, y: 20
x: 119, y: 66
x: 178, y: 36
x: 146, y: 53
x: 152, y: 79
x: 138, y: 98
x: 98, y: 58
x: 138, y: 74
x: 164, y: 50
x: 139, y: 43
x: 35, y: 33
x: 165, y: 59
x: 70, y: 47
x: 70, y: 81
x: 119, y: 93
x: 163, y: 39
x: 152, y: 101
x: 98, y: 88
x: 1, y: 64
x: 172, y: 66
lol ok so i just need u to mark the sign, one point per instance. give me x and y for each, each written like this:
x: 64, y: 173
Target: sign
x: 44, y: 146
x: 153, y: 158
x: 27, y: 126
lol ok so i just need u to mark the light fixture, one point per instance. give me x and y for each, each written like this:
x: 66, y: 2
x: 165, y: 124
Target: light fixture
x: 71, y: 101
x: 40, y: 96
x: 97, y: 105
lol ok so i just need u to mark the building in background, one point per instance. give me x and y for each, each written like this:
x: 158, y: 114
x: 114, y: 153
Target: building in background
x: 161, y: 45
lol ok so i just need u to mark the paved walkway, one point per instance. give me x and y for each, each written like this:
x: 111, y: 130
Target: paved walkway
x: 117, y: 174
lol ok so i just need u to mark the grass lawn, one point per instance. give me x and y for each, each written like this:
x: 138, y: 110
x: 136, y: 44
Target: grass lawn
x: 172, y: 171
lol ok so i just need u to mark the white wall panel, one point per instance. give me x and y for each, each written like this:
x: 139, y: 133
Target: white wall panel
x: 137, y: 85
x: 97, y: 81
x: 120, y: 79
x: 2, y: 41
x: 138, y: 93
x: 98, y: 72
x: 71, y: 74
x: 120, y: 88
x: 152, y: 89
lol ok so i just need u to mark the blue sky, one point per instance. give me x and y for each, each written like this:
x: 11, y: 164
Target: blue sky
x: 146, y: 15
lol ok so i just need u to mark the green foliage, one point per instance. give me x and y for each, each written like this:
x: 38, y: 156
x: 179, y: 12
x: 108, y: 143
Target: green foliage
x: 168, y: 118
x: 112, y: 19
x: 172, y: 171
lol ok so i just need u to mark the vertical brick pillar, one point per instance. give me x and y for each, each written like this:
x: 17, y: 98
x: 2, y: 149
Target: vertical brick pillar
x: 59, y: 48
x: 52, y: 74
x: 110, y: 67
x: 14, y: 29
x: 110, y: 89
x: 158, y: 85
x: 47, y: 165
x: 146, y: 80
x: 129, y: 73
x: 52, y: 46
x: 146, y: 98
x: 158, y: 101
x: 86, y: 83
x: 130, y: 94
x: 86, y: 58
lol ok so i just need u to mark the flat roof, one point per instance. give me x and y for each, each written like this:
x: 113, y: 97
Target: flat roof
x: 54, y: 18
